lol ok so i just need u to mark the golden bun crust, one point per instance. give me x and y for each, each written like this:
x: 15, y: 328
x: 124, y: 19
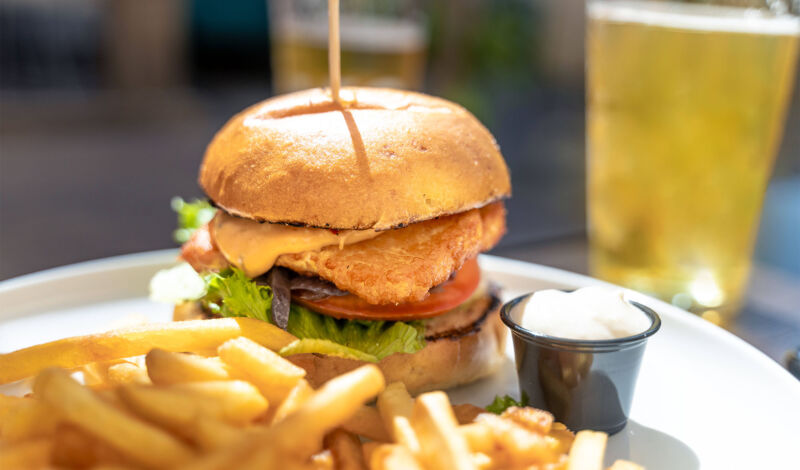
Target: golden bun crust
x: 441, y: 364
x: 383, y: 159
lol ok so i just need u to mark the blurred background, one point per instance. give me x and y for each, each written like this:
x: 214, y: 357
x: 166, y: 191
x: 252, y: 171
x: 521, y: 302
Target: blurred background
x: 106, y: 108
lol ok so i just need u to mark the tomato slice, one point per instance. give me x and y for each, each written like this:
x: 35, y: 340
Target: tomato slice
x: 441, y: 299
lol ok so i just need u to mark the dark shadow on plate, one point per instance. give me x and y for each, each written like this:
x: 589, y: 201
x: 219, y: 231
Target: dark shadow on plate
x: 650, y: 448
x: 481, y: 392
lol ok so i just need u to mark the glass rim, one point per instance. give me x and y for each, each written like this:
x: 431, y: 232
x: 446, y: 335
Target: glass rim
x: 785, y: 8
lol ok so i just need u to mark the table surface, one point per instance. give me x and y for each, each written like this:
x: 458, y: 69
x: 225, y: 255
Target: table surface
x: 770, y: 319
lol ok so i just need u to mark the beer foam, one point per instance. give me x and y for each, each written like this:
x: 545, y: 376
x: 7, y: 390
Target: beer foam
x: 696, y: 17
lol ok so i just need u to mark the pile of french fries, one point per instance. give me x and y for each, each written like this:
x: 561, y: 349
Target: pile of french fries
x: 214, y: 394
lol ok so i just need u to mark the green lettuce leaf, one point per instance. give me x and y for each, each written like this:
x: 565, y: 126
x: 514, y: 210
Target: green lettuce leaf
x: 377, y: 338
x: 324, y: 346
x: 191, y: 216
x: 500, y: 404
x: 232, y: 294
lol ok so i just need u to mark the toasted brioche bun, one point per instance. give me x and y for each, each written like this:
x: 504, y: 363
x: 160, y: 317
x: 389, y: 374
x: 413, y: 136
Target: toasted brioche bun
x: 463, y: 352
x: 383, y: 159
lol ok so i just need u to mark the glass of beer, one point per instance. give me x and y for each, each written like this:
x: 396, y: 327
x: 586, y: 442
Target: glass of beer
x: 383, y: 43
x: 685, y: 109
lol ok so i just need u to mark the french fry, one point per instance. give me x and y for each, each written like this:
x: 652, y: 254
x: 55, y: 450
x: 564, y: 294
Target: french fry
x: 395, y: 401
x: 168, y: 368
x: 29, y: 455
x: 625, y: 465
x: 479, y: 437
x: 127, y: 373
x: 322, y: 460
x: 195, y: 335
x: 30, y: 418
x: 407, y: 436
x: 272, y: 457
x: 212, y: 434
x: 110, y: 396
x: 587, y: 451
x: 232, y: 454
x: 272, y: 374
x: 227, y: 457
x: 367, y: 422
x: 337, y: 400
x: 346, y: 450
x: 140, y: 441
x: 530, y: 418
x: 75, y: 448
x: 520, y: 445
x: 393, y: 457
x: 294, y: 400
x: 482, y: 461
x: 367, y: 448
x: 95, y: 374
x: 396, y: 406
x: 300, y: 434
x: 330, y: 406
x: 562, y: 436
x: 441, y: 445
x: 9, y: 404
x: 114, y: 467
x: 234, y: 401
x: 178, y: 406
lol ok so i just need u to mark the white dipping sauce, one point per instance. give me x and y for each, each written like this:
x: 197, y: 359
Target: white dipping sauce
x: 588, y: 313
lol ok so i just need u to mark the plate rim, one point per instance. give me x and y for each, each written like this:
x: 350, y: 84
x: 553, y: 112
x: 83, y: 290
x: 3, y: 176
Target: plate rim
x: 110, y: 263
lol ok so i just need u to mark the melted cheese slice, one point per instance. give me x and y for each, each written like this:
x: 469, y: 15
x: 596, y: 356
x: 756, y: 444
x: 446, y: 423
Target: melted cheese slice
x: 253, y: 247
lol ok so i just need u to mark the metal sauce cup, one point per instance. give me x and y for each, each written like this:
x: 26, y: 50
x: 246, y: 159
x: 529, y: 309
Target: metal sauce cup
x: 586, y: 384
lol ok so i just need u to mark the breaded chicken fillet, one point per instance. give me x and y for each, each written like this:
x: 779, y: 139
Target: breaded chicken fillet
x: 397, y: 266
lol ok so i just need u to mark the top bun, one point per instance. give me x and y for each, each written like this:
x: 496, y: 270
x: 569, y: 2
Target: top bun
x: 383, y: 158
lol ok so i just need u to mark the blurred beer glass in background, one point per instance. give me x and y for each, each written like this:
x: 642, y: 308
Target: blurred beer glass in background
x: 383, y: 43
x: 686, y: 106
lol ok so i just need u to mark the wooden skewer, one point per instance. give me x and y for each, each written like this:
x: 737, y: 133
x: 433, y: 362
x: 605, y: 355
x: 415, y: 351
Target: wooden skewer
x: 334, y: 50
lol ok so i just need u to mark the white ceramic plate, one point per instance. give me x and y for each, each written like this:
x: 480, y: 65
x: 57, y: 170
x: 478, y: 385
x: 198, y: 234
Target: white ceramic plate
x: 705, y: 399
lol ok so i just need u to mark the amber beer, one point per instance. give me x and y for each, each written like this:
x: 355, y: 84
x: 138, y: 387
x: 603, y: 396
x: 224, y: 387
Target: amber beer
x: 686, y: 105
x: 375, y: 51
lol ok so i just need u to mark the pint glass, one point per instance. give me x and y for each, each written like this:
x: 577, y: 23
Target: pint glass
x: 685, y: 109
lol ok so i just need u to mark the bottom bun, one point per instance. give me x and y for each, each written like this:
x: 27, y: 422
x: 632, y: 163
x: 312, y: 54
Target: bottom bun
x: 448, y: 359
x: 442, y: 363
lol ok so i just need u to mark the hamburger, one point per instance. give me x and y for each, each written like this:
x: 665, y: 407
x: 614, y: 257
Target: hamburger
x: 354, y: 225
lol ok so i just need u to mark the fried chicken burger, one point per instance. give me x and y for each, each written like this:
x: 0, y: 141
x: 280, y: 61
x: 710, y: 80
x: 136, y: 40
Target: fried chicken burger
x: 355, y: 226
